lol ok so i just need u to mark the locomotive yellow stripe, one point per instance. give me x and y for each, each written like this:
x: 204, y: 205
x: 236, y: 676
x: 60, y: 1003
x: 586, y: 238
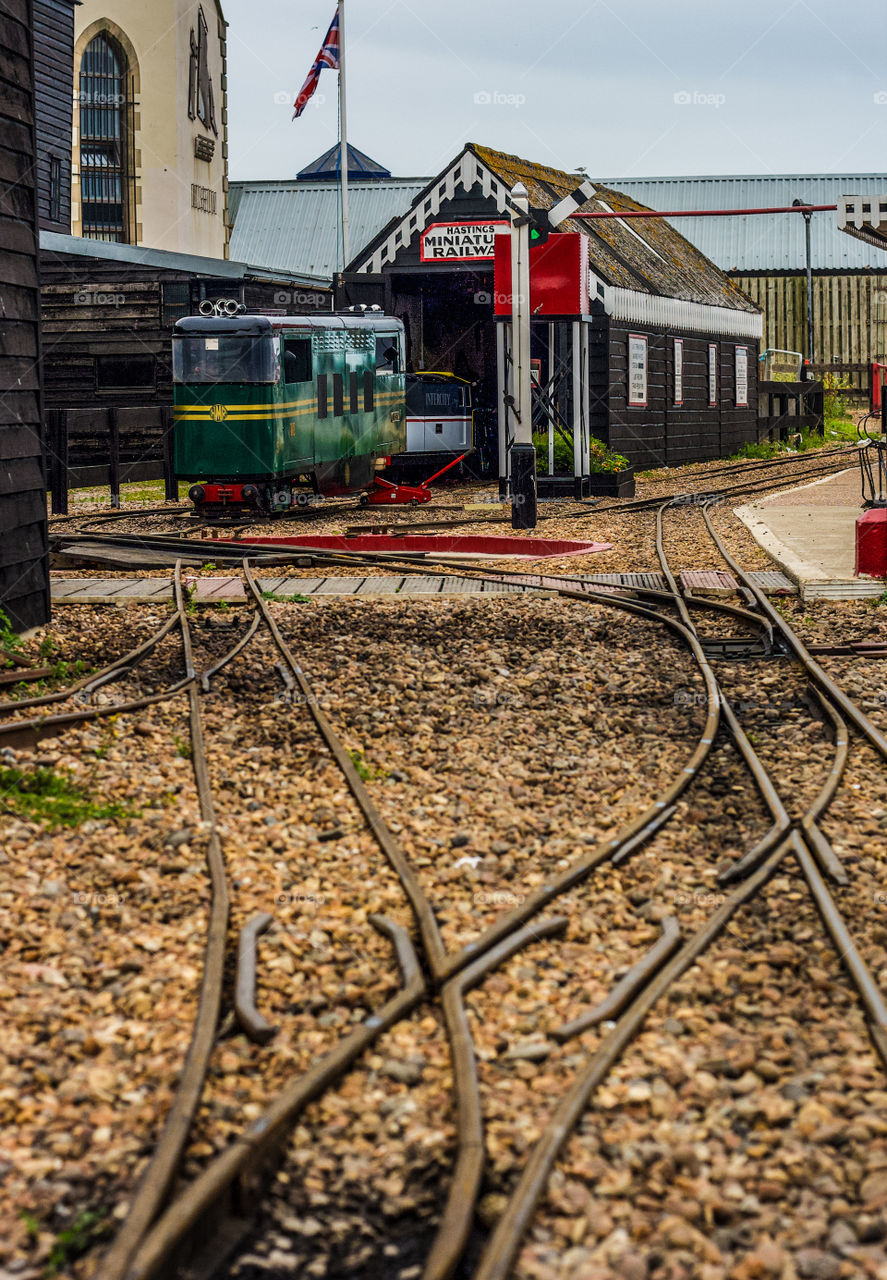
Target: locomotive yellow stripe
x: 244, y: 417
x: 257, y: 408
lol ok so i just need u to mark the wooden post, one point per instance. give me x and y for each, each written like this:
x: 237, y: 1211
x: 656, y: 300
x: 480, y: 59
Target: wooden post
x: 170, y: 483
x: 114, y: 456
x: 58, y: 452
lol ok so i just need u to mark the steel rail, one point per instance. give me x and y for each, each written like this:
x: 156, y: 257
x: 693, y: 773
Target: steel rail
x: 624, y: 992
x: 501, y: 1252
x: 833, y: 692
x: 382, y: 833
x: 120, y: 665
x: 158, y: 1177
x: 226, y: 1187
x: 455, y: 1222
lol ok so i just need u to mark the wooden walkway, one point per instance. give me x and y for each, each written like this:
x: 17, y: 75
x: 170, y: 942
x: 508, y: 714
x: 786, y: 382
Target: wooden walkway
x: 123, y: 591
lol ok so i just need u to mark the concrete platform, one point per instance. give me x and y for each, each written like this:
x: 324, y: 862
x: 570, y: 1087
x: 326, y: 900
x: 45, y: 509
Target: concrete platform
x: 811, y: 534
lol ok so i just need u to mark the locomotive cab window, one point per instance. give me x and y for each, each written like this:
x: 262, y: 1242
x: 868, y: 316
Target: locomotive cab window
x: 387, y: 353
x: 297, y: 360
x: 223, y: 357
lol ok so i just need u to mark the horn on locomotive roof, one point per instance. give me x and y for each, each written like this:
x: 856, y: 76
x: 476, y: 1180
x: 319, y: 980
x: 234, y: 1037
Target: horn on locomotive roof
x: 221, y: 307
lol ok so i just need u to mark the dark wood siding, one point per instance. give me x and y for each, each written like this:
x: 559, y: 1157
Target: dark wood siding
x: 94, y: 307
x: 665, y: 434
x: 24, y: 568
x: 54, y: 76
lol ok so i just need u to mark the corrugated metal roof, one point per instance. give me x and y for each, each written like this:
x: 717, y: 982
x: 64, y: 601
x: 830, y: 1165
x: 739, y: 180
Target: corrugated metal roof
x: 294, y: 226
x: 765, y: 242
x: 142, y: 255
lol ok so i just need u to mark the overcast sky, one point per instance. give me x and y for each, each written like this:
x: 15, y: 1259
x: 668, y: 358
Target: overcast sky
x: 649, y: 87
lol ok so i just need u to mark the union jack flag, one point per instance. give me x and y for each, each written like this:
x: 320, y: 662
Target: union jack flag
x: 328, y: 57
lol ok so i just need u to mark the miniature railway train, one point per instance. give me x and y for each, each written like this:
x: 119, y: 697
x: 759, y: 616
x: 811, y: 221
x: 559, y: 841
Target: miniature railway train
x: 269, y: 410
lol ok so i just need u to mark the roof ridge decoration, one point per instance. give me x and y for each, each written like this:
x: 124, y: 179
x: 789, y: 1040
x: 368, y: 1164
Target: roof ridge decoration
x: 671, y: 269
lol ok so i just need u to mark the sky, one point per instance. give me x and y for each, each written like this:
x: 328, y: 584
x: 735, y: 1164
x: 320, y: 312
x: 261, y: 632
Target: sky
x: 613, y: 87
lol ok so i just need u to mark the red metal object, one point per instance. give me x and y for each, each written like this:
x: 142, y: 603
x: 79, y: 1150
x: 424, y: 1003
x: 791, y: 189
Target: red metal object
x: 704, y: 213
x: 223, y: 493
x: 388, y: 494
x: 471, y: 545
x: 871, y: 543
x: 878, y: 371
x: 558, y: 276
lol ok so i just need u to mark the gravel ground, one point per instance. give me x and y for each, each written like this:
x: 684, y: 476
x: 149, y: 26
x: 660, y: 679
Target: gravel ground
x: 742, y: 1135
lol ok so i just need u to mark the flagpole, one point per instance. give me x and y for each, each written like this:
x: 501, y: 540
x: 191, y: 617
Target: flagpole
x: 343, y: 135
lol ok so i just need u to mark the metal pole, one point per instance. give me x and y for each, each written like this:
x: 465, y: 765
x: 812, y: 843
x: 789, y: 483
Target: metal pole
x: 523, y: 453
x: 576, y: 362
x: 799, y: 205
x: 807, y: 221
x: 343, y: 136
x: 502, y: 411
x: 550, y: 378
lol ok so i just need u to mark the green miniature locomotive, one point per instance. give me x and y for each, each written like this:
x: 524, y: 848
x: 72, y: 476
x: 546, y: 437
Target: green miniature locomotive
x: 270, y: 409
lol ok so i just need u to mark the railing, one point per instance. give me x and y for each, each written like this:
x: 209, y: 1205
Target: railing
x: 788, y: 407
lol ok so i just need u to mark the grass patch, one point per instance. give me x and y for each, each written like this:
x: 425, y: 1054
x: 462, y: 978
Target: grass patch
x: 366, y: 772
x: 278, y: 599
x: 71, y: 1243
x: 42, y: 795
x: 183, y: 748
x: 837, y: 430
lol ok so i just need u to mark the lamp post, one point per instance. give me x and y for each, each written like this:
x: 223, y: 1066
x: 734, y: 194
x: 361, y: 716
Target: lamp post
x: 808, y: 217
x: 523, y: 452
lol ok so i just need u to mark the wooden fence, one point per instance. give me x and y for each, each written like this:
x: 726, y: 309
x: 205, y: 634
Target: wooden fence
x: 787, y: 407
x: 849, y: 320
x: 88, y: 448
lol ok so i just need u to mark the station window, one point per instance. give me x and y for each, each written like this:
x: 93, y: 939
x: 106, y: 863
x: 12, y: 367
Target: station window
x: 387, y: 353
x: 124, y: 372
x: 369, y: 387
x: 712, y: 374
x: 55, y: 189
x: 297, y: 360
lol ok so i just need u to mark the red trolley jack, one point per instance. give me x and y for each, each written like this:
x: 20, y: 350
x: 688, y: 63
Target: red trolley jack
x: 387, y: 494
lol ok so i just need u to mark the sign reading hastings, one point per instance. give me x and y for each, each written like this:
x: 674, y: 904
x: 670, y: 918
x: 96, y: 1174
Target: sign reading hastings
x: 448, y: 241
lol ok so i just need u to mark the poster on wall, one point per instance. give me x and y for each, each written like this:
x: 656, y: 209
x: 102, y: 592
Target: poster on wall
x: 678, y: 371
x: 742, y: 377
x: 472, y: 241
x: 712, y: 373
x: 637, y: 370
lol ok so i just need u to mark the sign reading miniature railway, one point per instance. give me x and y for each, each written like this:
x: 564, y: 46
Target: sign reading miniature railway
x: 461, y: 241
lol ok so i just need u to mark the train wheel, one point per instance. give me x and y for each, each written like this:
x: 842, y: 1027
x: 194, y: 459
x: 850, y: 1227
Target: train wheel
x: 364, y: 500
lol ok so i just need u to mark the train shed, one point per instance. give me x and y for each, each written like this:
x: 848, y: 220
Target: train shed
x: 670, y: 342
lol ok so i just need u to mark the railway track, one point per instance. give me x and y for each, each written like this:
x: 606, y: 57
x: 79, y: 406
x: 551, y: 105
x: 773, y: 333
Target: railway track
x: 159, y: 1237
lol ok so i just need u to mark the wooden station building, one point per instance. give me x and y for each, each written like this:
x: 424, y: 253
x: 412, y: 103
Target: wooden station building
x: 667, y: 352
x: 24, y: 565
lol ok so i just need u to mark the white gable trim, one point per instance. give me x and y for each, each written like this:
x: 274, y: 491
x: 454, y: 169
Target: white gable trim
x: 464, y: 174
x: 676, y: 313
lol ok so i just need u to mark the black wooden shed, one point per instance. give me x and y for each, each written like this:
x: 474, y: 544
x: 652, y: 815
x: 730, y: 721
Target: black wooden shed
x: 24, y: 567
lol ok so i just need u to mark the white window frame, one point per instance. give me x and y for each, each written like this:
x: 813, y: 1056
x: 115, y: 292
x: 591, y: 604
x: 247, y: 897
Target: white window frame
x: 712, y: 375
x: 634, y: 338
x: 740, y: 403
x: 678, y: 397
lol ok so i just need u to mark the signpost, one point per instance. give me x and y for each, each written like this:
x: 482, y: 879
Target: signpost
x: 459, y: 241
x: 523, y: 451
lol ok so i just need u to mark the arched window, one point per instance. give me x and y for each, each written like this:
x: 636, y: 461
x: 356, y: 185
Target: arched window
x: 105, y: 170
